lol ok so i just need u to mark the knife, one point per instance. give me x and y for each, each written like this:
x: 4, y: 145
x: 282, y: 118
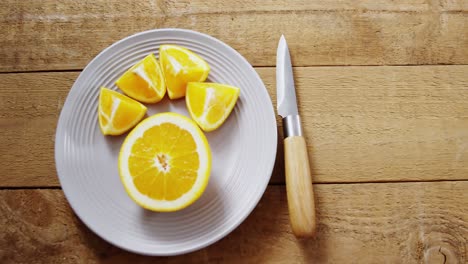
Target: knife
x: 299, y: 188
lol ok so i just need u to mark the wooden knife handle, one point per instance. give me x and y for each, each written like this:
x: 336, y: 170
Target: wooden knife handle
x: 299, y: 187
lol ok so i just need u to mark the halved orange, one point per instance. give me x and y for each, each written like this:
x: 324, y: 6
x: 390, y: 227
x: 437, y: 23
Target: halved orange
x: 165, y: 162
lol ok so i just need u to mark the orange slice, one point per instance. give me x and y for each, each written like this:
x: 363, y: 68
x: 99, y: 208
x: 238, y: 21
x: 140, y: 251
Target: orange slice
x: 144, y: 81
x: 118, y: 113
x: 181, y: 66
x: 210, y: 104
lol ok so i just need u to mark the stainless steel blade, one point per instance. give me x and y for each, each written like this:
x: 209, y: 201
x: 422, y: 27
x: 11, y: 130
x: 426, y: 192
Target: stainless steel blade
x: 285, y: 90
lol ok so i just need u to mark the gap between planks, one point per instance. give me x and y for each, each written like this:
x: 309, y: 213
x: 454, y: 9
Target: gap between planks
x: 270, y: 184
x: 263, y: 66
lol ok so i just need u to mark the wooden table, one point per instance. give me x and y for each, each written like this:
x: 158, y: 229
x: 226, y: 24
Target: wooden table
x: 383, y: 91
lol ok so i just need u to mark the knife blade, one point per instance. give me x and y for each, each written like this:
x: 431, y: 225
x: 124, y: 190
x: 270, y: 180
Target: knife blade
x: 299, y: 187
x: 286, y: 92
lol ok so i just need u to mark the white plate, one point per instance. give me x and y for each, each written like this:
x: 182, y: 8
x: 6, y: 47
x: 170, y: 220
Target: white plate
x: 244, y: 150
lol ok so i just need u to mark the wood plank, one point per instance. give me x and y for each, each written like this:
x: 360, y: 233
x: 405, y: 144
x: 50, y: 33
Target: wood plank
x: 454, y: 5
x: 29, y: 108
x: 216, y: 6
x: 361, y: 123
x: 358, y: 223
x: 50, y: 35
x: 383, y: 123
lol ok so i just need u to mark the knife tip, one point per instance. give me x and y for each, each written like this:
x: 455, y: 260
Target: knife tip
x: 282, y: 38
x: 282, y: 43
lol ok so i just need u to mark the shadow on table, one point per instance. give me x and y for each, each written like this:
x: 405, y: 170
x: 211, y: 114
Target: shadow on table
x: 313, y: 250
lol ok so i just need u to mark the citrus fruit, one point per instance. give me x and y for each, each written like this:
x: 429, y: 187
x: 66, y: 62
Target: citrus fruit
x: 118, y: 113
x: 144, y: 81
x: 181, y: 66
x: 165, y: 162
x: 210, y: 104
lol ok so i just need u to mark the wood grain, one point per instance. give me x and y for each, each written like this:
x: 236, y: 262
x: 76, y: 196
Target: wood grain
x: 361, y: 123
x: 30, y: 105
x: 358, y: 223
x: 300, y: 192
x: 50, y: 35
x: 383, y: 123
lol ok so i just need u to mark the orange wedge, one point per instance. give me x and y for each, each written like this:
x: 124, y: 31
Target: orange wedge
x: 144, y: 81
x: 118, y: 113
x: 210, y: 104
x: 181, y: 66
